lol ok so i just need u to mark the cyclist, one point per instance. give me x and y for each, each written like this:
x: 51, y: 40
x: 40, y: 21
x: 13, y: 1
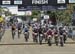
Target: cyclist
x: 19, y: 29
x: 13, y: 30
x: 26, y: 33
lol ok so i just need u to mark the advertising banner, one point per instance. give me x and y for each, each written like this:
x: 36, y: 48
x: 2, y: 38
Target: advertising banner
x: 6, y: 1
x: 17, y: 1
x: 61, y: 1
x: 71, y: 1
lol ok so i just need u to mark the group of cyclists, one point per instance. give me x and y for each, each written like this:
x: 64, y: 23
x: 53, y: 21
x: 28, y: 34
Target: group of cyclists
x: 40, y: 32
x: 47, y: 32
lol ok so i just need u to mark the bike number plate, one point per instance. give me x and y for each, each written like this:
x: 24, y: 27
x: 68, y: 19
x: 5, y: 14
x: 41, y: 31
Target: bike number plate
x: 41, y: 35
x: 35, y: 33
x: 25, y: 32
x: 49, y: 36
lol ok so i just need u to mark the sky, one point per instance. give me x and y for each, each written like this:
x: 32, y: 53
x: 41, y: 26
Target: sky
x: 14, y: 10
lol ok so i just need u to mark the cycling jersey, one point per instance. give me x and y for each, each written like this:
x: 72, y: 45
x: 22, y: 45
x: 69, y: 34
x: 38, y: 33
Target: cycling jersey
x: 35, y: 30
x: 13, y: 27
x: 61, y: 32
x: 26, y: 30
x: 49, y: 32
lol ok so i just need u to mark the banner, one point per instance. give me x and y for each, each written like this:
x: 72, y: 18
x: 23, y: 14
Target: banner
x: 39, y: 1
x: 17, y: 1
x: 6, y: 1
x: 61, y: 1
x: 71, y: 1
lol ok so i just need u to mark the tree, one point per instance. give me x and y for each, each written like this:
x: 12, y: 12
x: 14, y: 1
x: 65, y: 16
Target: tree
x: 35, y: 14
x: 63, y: 17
